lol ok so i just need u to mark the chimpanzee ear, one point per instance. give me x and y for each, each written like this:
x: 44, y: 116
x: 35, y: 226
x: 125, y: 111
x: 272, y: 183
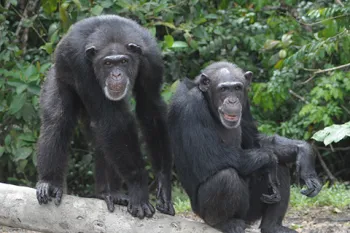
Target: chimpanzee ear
x: 248, y: 76
x: 90, y: 52
x: 134, y: 48
x: 204, y: 83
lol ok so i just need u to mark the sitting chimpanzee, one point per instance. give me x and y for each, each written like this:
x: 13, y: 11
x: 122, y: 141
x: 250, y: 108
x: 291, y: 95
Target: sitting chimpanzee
x: 222, y: 162
x: 97, y: 65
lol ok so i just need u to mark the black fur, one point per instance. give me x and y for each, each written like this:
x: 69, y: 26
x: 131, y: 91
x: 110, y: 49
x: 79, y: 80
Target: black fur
x: 224, y: 172
x: 74, y: 89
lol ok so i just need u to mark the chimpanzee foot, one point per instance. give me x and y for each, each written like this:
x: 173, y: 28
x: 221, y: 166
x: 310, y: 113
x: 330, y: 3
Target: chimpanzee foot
x: 277, y: 229
x: 45, y: 191
x: 114, y: 198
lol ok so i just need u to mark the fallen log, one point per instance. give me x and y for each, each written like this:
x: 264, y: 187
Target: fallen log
x: 19, y: 208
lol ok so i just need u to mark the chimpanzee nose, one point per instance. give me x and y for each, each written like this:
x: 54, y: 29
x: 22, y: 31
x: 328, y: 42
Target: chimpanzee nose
x: 117, y: 77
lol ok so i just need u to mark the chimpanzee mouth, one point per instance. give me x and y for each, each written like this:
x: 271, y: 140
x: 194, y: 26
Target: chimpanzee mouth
x: 230, y: 117
x: 117, y: 91
x: 231, y: 120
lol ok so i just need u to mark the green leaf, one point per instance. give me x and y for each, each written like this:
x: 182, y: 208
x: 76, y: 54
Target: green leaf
x: 270, y: 44
x: 180, y: 44
x: 333, y: 133
x: 77, y: 3
x: 173, y: 86
x: 48, y: 47
x: 23, y: 153
x: 169, y: 40
x: 17, y: 103
x: 2, y: 150
x: 34, y: 89
x: 167, y: 24
x: 21, y: 166
x: 97, y: 10
x: 21, y: 88
x: 49, y: 6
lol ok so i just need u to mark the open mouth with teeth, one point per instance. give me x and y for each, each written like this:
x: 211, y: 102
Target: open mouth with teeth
x: 230, y: 120
x: 230, y: 117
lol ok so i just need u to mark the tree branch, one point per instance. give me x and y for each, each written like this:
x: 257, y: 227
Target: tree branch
x: 19, y: 208
x: 298, y: 96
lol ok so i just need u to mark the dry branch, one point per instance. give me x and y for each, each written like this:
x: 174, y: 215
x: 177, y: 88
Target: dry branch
x: 19, y: 208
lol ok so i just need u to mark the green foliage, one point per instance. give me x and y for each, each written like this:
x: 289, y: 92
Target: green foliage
x: 333, y: 133
x: 298, y: 51
x: 337, y: 196
x: 181, y: 201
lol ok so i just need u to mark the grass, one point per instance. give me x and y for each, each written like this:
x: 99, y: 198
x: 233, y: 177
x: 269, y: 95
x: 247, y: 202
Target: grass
x: 181, y: 201
x: 337, y: 196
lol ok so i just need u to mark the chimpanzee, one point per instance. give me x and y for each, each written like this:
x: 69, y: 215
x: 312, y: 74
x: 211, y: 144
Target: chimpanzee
x: 97, y: 65
x: 222, y: 161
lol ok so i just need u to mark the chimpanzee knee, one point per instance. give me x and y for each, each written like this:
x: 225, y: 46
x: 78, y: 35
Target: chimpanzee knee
x: 223, y: 197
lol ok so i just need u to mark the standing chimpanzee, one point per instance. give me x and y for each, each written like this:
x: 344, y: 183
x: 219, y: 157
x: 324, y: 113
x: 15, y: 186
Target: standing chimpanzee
x: 222, y: 162
x: 97, y: 65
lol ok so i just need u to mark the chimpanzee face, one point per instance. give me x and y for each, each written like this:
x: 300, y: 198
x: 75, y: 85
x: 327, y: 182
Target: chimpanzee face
x: 225, y: 88
x: 116, y: 68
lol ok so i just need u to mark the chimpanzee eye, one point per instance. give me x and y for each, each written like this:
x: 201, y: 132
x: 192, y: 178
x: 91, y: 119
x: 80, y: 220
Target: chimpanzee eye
x: 124, y: 61
x: 223, y: 89
x: 238, y: 88
x: 107, y: 63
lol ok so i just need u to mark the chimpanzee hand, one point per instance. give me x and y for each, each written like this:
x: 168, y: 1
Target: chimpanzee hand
x: 114, y: 198
x: 305, y: 170
x: 140, y: 209
x: 46, y: 190
x: 164, y: 204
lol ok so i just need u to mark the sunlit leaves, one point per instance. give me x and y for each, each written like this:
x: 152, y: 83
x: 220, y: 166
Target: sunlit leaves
x: 333, y: 134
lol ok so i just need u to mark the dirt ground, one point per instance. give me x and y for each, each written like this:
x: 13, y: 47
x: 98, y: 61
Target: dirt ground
x: 316, y: 220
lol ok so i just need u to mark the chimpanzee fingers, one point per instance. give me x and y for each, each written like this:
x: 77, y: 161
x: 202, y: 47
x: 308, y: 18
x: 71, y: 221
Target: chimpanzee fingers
x: 121, y: 199
x: 57, y: 192
x: 148, y: 209
x: 272, y: 198
x: 166, y: 208
x: 138, y: 210
x: 42, y: 193
x: 109, y: 201
x: 313, y: 187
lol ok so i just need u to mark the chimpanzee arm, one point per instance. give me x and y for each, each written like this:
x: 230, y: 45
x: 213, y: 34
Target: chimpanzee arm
x: 59, y: 108
x: 151, y: 111
x: 299, y: 152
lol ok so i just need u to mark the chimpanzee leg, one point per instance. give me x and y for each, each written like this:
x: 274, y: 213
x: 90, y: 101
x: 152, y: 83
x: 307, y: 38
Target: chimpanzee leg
x: 117, y: 136
x: 108, y: 183
x: 223, y: 201
x: 272, y: 214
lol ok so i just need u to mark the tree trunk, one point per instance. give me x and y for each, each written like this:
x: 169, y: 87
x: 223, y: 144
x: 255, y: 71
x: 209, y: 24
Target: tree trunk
x: 19, y: 208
